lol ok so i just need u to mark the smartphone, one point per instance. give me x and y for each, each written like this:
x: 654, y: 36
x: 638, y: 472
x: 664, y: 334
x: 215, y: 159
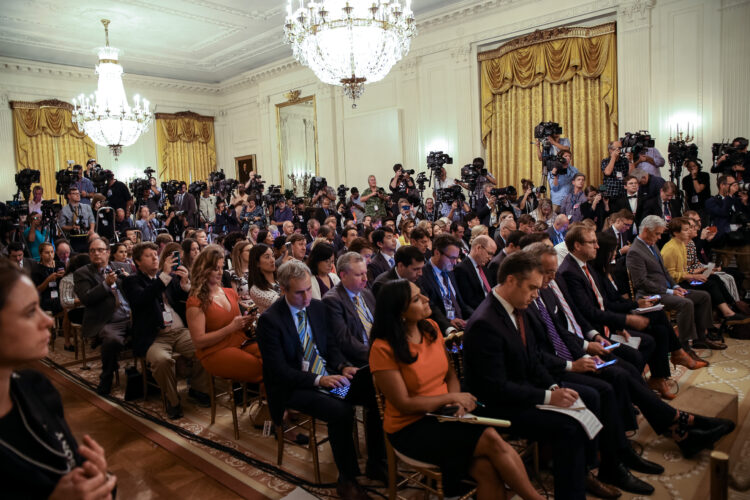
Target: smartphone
x: 606, y: 363
x: 176, y: 260
x: 696, y: 282
x: 288, y: 246
x: 655, y: 298
x: 447, y: 410
x: 612, y: 346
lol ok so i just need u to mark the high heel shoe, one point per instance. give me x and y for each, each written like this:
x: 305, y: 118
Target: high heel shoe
x: 660, y: 386
x: 680, y: 357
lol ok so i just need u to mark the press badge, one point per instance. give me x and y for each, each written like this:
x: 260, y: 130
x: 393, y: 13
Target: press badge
x: 167, y: 317
x: 305, y: 366
x: 694, y: 198
x: 619, y: 175
x: 375, y: 207
x: 53, y: 294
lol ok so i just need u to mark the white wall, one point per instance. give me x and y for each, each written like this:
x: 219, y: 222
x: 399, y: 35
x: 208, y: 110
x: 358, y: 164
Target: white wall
x: 677, y: 60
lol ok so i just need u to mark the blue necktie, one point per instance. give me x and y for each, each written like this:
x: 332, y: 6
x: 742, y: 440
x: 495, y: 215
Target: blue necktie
x: 560, y: 348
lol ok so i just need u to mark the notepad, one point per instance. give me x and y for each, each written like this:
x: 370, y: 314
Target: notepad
x: 469, y: 418
x: 634, y: 342
x: 709, y: 267
x: 578, y: 411
x: 644, y: 310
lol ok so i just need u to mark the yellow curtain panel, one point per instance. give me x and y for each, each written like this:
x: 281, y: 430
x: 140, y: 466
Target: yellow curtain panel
x: 187, y: 147
x: 46, y: 138
x: 565, y: 75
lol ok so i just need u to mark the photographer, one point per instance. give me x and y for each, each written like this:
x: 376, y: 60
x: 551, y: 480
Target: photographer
x: 614, y: 169
x: 561, y: 180
x: 735, y: 161
x: 485, y: 178
x: 147, y: 223
x: 35, y: 203
x: 356, y: 205
x: 528, y: 202
x: 374, y: 199
x: 226, y: 219
x: 405, y: 211
x: 650, y: 160
x: 118, y: 195
x: 326, y: 192
x: 596, y: 207
x: 155, y: 199
x: 76, y: 220
x: 90, y: 164
x: 697, y: 185
x: 46, y: 276
x: 207, y: 208
x: 253, y: 214
x: 174, y: 224
x: 32, y: 236
x: 84, y: 185
x: 554, y: 144
x: 401, y: 184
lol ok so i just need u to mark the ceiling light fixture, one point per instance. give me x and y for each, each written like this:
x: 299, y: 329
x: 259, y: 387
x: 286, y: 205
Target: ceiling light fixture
x: 350, y: 43
x: 106, y: 116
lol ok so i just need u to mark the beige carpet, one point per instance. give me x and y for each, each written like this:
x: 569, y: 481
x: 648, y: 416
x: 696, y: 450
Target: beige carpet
x: 683, y: 480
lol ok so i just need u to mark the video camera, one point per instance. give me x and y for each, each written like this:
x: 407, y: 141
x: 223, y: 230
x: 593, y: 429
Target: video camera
x: 504, y: 192
x: 436, y: 159
x: 341, y: 192
x: 196, y: 188
x: 50, y: 211
x: 558, y: 162
x: 450, y: 194
x: 64, y: 179
x: 24, y: 179
x: 170, y: 189
x: 546, y: 129
x: 100, y: 178
x: 421, y: 181
x: 316, y: 184
x: 636, y: 143
x: 273, y: 196
x: 140, y: 188
x: 679, y: 152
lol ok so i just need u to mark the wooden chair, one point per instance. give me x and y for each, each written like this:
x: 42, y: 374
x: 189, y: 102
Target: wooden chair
x: 230, y: 394
x: 147, y: 382
x: 79, y: 342
x: 309, y: 424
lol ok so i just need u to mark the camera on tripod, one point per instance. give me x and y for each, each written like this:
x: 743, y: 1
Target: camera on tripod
x: 679, y: 152
x: 317, y: 184
x: 50, y: 211
x: 170, y: 189
x: 341, y: 192
x: 196, y: 188
x: 273, y: 196
x: 636, y: 143
x: 450, y: 194
x: 436, y: 159
x: 140, y: 188
x: 24, y: 179
x: 558, y: 162
x: 100, y: 178
x: 544, y: 130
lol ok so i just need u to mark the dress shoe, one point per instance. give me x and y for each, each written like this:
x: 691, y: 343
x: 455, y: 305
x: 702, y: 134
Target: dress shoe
x: 659, y: 385
x: 742, y: 307
x: 199, y: 398
x: 698, y: 440
x: 737, y: 319
x: 682, y: 358
x: 634, y: 461
x: 621, y: 477
x: 599, y: 489
x: 105, y: 385
x: 708, y: 423
x: 709, y: 344
x: 299, y: 438
x: 351, y: 490
x: 694, y: 356
x: 174, y: 412
x: 377, y: 471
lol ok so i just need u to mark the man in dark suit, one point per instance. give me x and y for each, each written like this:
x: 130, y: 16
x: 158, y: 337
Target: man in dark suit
x: 556, y: 232
x: 592, y: 304
x: 723, y: 205
x: 350, y: 307
x: 649, y: 185
x: 438, y: 283
x: 506, y: 227
x: 106, y: 311
x: 301, y: 361
x: 512, y: 241
x: 664, y: 206
x: 157, y: 295
x: 15, y: 254
x: 385, y: 241
x: 504, y: 372
x: 187, y: 204
x: 632, y: 201
x: 471, y: 274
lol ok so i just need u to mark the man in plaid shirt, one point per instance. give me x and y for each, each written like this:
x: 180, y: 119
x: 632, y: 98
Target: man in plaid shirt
x: 615, y: 168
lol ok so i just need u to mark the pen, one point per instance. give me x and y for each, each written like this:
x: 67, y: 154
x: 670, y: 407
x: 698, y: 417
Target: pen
x: 480, y: 404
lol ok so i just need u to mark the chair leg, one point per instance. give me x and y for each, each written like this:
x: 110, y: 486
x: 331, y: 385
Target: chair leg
x: 212, y: 395
x: 355, y: 436
x: 144, y: 367
x: 75, y: 333
x: 392, y: 475
x: 314, y: 450
x: 85, y: 365
x: 233, y: 406
x: 279, y: 443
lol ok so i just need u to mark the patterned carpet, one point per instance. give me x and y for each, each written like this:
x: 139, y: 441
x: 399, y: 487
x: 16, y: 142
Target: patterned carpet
x: 729, y: 372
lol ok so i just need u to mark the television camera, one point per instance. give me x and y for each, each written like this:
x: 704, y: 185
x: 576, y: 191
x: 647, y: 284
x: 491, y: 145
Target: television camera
x: 636, y: 143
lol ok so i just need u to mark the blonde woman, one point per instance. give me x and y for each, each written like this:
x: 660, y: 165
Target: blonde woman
x: 544, y: 212
x: 240, y: 261
x: 216, y: 325
x: 478, y: 230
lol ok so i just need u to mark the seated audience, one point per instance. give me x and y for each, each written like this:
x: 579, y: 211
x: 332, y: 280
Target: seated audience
x: 261, y: 277
x: 70, y: 303
x: 410, y: 366
x: 510, y: 245
x: 557, y: 229
x: 157, y: 294
x: 240, y: 263
x: 320, y: 263
x: 471, y: 273
x: 190, y: 251
x: 38, y: 452
x: 384, y: 240
x: 438, y: 283
x: 147, y: 223
x: 217, y: 327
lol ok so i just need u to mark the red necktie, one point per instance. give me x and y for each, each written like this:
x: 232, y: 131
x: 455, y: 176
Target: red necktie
x: 519, y: 321
x: 484, y: 280
x: 596, y: 292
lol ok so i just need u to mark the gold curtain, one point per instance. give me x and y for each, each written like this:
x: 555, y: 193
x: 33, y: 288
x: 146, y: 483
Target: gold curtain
x: 565, y: 75
x: 46, y: 137
x: 187, y: 148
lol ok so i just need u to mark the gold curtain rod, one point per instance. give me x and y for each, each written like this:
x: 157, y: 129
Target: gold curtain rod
x: 47, y: 103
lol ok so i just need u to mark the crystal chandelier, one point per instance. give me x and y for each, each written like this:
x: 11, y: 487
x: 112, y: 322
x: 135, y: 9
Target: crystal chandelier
x: 350, y: 43
x: 106, y: 116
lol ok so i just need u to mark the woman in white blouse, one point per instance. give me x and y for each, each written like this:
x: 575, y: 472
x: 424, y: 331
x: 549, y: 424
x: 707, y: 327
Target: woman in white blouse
x: 261, y: 277
x: 320, y: 263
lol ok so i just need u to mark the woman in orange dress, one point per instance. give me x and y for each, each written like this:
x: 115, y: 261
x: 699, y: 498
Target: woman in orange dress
x: 216, y: 325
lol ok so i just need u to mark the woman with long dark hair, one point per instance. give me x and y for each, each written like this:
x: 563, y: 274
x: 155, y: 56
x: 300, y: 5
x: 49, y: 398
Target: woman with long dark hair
x: 38, y: 452
x: 190, y: 251
x: 261, y: 277
x: 320, y: 262
x: 411, y: 368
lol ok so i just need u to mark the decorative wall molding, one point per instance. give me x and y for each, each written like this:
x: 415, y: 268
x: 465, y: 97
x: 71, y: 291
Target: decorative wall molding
x: 636, y: 11
x: 183, y: 114
x: 47, y: 103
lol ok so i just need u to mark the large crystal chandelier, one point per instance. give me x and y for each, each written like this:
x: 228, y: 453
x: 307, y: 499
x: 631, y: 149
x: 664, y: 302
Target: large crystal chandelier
x: 106, y: 116
x: 350, y: 43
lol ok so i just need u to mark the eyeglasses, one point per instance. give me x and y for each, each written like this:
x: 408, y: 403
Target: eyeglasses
x: 450, y: 257
x: 589, y: 242
x: 97, y: 250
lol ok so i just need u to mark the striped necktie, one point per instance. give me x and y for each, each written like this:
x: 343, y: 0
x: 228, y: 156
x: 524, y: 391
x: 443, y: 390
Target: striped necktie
x: 599, y: 298
x: 310, y: 351
x: 364, y: 317
x: 566, y: 308
x: 560, y: 348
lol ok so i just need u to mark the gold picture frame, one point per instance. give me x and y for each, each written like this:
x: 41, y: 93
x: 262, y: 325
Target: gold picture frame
x: 243, y: 165
x: 293, y: 99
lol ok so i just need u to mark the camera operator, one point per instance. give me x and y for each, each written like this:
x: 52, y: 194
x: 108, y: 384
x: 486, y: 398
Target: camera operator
x: 555, y: 144
x: 118, y: 195
x: 46, y: 276
x: 615, y: 168
x: 650, y: 160
x: 561, y: 180
x: 35, y: 203
x: 226, y: 219
x: 147, y: 223
x: 155, y: 200
x: 84, y: 185
x: 401, y: 184
x: 326, y: 192
x: 76, y: 220
x: 90, y: 164
x: 174, y: 224
x: 697, y: 185
x: 207, y: 207
x: 528, y: 202
x: 32, y: 235
x: 734, y: 162
x: 482, y: 180
x: 356, y: 204
x: 374, y: 198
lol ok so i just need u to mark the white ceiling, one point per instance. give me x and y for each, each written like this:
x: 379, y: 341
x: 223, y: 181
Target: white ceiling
x: 195, y: 40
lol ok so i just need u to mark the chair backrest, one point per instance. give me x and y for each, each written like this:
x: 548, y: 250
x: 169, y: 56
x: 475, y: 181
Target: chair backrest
x: 380, y: 399
x: 454, y: 345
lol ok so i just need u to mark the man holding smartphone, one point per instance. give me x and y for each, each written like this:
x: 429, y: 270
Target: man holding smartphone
x: 157, y: 294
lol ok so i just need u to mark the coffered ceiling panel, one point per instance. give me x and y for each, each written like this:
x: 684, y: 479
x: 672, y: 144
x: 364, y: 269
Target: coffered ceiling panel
x: 196, y: 40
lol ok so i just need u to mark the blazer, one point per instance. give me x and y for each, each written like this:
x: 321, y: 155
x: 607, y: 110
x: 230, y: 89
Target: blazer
x: 622, y: 203
x: 98, y: 300
x: 377, y: 266
x: 719, y: 211
x: 281, y: 350
x: 346, y: 325
x: 469, y: 285
x: 190, y: 207
x: 648, y: 274
x: 655, y: 206
x: 145, y: 296
x: 494, y: 266
x: 500, y: 371
x: 674, y: 254
x: 586, y: 302
x: 431, y: 288
x: 553, y: 234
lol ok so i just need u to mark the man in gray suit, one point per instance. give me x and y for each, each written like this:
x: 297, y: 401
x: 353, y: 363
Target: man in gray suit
x: 649, y: 276
x: 106, y: 313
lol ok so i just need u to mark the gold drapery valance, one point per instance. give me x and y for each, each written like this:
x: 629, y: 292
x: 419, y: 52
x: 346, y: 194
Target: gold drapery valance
x: 567, y: 75
x: 187, y: 147
x: 46, y: 138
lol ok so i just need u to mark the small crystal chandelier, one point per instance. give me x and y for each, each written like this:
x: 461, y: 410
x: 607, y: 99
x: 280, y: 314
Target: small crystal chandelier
x: 106, y: 116
x: 350, y: 43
